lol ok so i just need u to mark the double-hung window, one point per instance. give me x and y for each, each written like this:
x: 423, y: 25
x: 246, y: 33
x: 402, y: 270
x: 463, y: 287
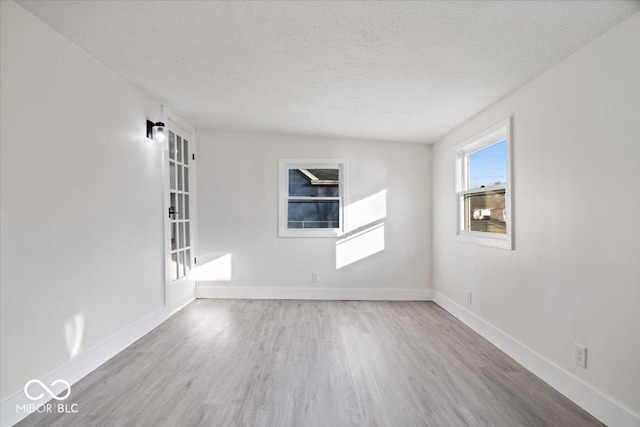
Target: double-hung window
x: 312, y: 197
x: 484, y: 188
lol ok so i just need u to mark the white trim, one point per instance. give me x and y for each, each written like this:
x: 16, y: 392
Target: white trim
x: 283, y: 195
x: 584, y: 395
x: 183, y: 302
x: 489, y: 136
x: 179, y: 121
x: 83, y: 364
x: 350, y: 294
x: 166, y: 224
x: 492, y: 240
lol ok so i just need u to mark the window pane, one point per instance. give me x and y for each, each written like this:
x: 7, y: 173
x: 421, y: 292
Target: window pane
x: 172, y: 175
x: 179, y: 178
x: 488, y: 166
x: 180, y: 264
x: 180, y: 235
x: 313, y: 182
x: 186, y: 151
x: 174, y: 236
x: 173, y: 273
x: 173, y: 206
x: 485, y: 212
x: 172, y: 145
x: 187, y: 262
x: 313, y: 214
x: 179, y: 148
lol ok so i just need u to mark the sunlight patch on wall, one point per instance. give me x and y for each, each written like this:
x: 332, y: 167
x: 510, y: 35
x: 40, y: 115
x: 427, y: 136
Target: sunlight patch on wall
x: 366, y: 211
x: 73, y: 333
x: 217, y: 270
x: 360, y: 245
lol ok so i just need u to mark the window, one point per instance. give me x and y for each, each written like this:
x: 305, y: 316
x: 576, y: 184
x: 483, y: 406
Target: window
x: 312, y: 197
x: 484, y: 188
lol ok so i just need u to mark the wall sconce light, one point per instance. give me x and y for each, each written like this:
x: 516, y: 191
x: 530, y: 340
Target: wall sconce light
x: 157, y: 132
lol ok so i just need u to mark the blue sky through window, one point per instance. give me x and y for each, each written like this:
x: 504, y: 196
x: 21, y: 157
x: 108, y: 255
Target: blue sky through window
x: 488, y: 166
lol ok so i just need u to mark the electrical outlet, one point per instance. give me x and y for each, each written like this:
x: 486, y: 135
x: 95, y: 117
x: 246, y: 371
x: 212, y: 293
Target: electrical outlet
x: 315, y: 277
x: 580, y: 355
x: 469, y: 297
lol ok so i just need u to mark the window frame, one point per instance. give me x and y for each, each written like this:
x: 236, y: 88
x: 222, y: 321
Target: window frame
x: 493, y: 135
x: 283, y: 196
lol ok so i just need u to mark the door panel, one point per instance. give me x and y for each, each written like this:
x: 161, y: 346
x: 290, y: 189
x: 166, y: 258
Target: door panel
x: 180, y: 252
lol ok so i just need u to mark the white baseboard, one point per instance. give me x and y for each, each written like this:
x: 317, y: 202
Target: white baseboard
x: 314, y: 293
x: 83, y: 364
x: 590, y: 399
x: 183, y: 302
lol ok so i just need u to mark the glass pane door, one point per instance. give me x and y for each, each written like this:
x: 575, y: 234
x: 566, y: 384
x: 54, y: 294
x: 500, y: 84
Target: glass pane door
x: 179, y: 206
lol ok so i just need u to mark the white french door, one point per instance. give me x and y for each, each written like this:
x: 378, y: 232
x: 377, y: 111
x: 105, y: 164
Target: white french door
x: 179, y: 216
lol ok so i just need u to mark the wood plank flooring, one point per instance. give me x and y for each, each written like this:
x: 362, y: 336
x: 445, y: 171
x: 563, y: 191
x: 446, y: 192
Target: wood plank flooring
x: 281, y: 363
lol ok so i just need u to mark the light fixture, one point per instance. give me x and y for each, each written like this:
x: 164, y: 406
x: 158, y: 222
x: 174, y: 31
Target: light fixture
x: 157, y: 132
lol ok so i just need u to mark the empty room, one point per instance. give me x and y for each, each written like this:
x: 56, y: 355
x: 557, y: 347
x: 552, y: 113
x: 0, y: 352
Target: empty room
x: 320, y: 213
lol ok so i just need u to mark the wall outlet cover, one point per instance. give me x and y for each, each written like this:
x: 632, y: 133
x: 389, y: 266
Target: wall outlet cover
x: 580, y: 355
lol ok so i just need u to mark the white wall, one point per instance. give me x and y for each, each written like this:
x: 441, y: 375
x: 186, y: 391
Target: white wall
x: 238, y: 214
x: 81, y: 201
x: 574, y: 275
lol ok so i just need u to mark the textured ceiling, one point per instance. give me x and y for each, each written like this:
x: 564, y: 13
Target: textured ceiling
x: 399, y: 71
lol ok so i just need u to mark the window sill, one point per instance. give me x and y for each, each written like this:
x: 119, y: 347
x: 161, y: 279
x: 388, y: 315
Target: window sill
x: 310, y: 233
x: 494, y: 240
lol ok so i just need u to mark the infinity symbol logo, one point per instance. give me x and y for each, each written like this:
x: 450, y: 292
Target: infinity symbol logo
x: 48, y: 390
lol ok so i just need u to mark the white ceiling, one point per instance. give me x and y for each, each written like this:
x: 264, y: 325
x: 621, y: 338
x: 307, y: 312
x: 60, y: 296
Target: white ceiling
x: 398, y: 71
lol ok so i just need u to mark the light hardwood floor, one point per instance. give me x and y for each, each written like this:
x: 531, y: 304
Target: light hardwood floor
x: 314, y: 363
